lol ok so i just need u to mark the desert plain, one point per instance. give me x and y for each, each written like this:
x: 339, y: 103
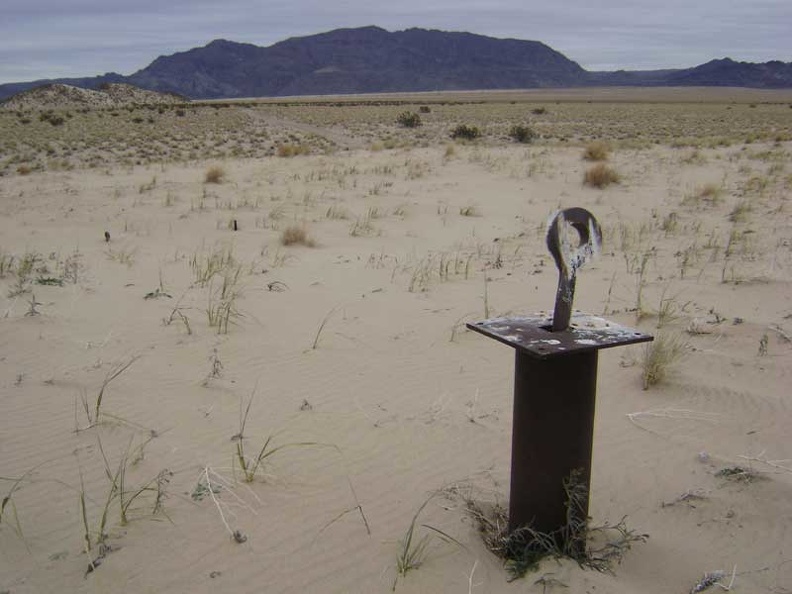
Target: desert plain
x: 233, y: 352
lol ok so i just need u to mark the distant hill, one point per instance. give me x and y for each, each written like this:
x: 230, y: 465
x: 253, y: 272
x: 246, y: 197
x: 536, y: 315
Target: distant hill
x: 365, y: 60
x: 372, y: 60
x: 716, y: 73
x: 57, y: 95
x: 770, y: 75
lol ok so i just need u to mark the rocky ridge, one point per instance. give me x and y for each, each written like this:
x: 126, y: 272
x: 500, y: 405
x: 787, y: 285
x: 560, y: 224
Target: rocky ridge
x: 62, y: 96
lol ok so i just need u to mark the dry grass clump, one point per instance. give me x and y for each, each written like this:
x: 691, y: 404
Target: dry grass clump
x: 470, y: 211
x: 708, y: 193
x: 597, y: 547
x: 600, y: 176
x: 659, y: 356
x: 292, y: 150
x: 214, y: 175
x: 296, y: 235
x: 413, y: 548
x: 596, y: 151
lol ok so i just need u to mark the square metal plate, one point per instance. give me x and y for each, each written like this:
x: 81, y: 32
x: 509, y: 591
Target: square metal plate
x: 532, y: 334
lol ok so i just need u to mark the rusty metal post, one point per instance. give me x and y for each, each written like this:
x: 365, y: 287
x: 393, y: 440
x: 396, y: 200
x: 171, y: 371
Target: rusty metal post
x: 555, y: 386
x: 552, y: 433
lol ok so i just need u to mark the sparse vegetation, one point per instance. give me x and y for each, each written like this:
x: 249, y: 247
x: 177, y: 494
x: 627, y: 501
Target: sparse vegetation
x: 419, y: 234
x: 522, y: 134
x: 708, y: 194
x: 214, y: 175
x: 596, y: 151
x: 293, y: 150
x: 465, y: 132
x: 296, y: 235
x: 597, y: 547
x: 659, y: 356
x: 206, y: 266
x: 8, y: 505
x: 413, y: 547
x: 250, y: 466
x: 600, y: 176
x: 93, y: 414
x: 408, y: 119
x: 121, y: 496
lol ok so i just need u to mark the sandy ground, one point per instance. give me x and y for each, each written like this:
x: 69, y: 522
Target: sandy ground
x: 357, y: 347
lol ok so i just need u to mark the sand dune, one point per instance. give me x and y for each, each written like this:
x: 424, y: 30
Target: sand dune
x: 356, y: 346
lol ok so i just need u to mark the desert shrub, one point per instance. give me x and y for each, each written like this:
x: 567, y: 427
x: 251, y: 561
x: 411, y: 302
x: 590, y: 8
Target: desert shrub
x: 425, y: 109
x: 292, y: 150
x: 596, y: 151
x: 52, y: 118
x: 408, y: 119
x: 465, y: 132
x: 539, y: 111
x: 522, y: 134
x: 600, y: 176
x: 180, y: 113
x: 214, y: 175
x: 296, y: 235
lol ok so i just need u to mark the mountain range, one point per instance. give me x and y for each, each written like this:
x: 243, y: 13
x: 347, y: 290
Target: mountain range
x: 373, y: 60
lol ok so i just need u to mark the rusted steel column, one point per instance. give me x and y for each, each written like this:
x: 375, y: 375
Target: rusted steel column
x: 552, y: 433
x: 555, y: 387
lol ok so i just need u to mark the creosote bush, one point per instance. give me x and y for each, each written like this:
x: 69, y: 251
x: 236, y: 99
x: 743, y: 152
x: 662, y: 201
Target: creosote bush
x: 214, y: 175
x: 596, y: 151
x: 522, y: 134
x: 408, y: 119
x: 296, y: 235
x: 600, y: 176
x: 465, y: 132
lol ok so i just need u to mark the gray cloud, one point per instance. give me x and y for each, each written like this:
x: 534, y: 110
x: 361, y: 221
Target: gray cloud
x: 53, y: 38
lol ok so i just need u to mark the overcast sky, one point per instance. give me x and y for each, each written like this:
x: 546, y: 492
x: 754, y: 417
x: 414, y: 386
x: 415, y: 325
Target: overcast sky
x: 58, y: 38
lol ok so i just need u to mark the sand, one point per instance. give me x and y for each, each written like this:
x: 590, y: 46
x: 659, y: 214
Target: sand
x: 352, y: 352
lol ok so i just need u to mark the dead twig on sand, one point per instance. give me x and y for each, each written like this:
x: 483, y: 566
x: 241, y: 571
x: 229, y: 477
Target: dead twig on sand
x: 780, y: 331
x: 780, y: 465
x: 213, y: 483
x: 714, y: 578
x: 671, y: 413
